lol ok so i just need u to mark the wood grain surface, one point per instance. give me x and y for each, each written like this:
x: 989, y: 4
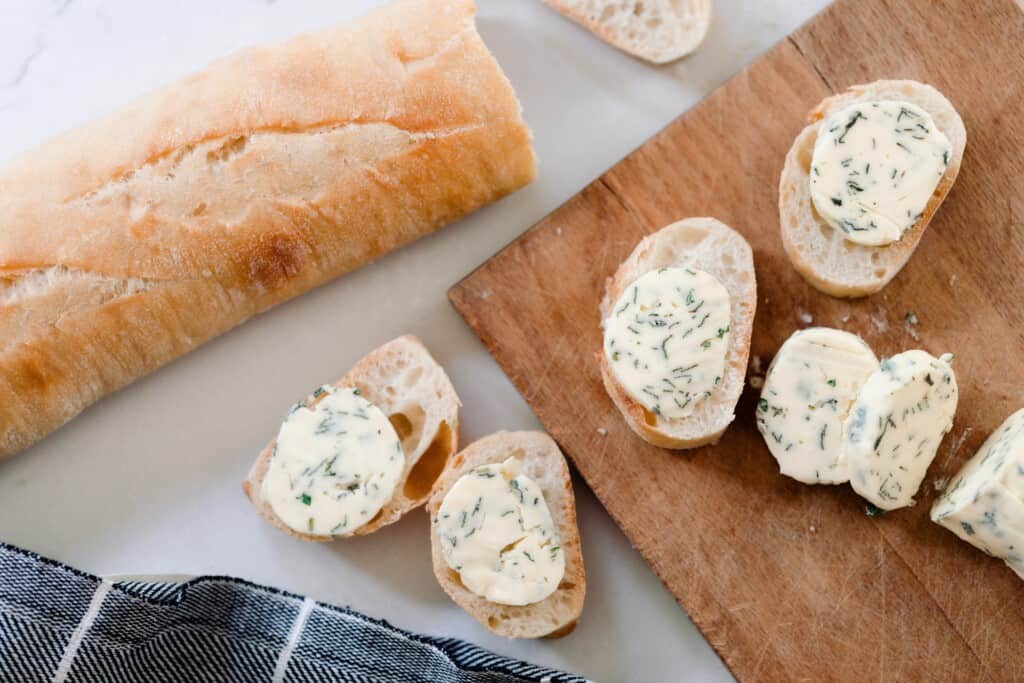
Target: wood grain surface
x: 788, y: 581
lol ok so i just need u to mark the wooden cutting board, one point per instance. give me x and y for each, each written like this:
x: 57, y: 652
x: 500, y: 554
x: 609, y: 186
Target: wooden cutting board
x: 789, y: 581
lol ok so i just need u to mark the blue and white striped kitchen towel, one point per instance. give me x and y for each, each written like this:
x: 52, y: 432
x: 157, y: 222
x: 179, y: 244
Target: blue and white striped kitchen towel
x: 60, y: 624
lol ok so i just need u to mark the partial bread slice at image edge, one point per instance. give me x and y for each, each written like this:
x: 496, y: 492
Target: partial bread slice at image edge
x: 543, y: 462
x: 709, y: 245
x: 818, y: 251
x: 659, y: 31
x: 407, y: 384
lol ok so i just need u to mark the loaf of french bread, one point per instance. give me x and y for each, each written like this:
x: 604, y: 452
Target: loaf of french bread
x: 133, y: 239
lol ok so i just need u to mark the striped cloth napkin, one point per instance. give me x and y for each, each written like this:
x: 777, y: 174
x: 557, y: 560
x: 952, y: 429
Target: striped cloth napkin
x: 60, y: 624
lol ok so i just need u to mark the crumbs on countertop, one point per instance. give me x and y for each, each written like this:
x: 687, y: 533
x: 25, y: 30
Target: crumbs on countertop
x: 958, y: 441
x: 756, y: 378
x: 910, y: 321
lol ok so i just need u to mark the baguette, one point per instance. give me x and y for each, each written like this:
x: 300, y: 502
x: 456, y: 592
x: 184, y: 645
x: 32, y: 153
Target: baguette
x: 821, y: 254
x: 133, y: 239
x: 557, y: 614
x: 413, y: 391
x: 715, y: 248
x: 659, y: 31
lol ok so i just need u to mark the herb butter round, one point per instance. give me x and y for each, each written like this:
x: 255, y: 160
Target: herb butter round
x: 496, y: 532
x: 336, y: 463
x: 874, y: 168
x: 984, y: 503
x: 666, y: 339
x: 811, y: 384
x: 896, y: 424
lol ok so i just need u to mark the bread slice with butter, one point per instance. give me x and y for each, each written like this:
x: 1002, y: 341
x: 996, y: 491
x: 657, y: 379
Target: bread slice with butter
x: 707, y: 247
x: 412, y: 392
x: 659, y: 31
x: 495, y: 460
x: 823, y: 255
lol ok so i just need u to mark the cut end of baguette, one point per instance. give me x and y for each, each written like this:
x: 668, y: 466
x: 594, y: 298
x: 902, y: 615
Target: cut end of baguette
x: 407, y: 384
x: 543, y: 462
x: 659, y: 31
x: 818, y: 251
x: 709, y: 245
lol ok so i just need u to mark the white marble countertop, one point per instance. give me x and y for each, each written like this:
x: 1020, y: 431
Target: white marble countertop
x: 148, y: 480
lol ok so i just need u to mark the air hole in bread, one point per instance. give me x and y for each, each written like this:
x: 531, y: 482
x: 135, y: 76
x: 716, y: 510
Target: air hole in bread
x: 879, y: 272
x: 200, y: 209
x: 566, y: 586
x: 493, y: 621
x: 518, y: 454
x: 412, y: 377
x: 649, y: 417
x: 805, y: 154
x: 454, y: 577
x: 430, y: 465
x: 874, y: 257
x: 726, y: 259
x: 638, y: 9
x: 402, y: 425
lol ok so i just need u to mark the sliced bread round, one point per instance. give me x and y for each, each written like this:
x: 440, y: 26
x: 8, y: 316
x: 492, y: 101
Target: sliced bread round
x: 543, y: 462
x: 820, y: 253
x: 709, y: 245
x: 659, y: 31
x: 404, y: 381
